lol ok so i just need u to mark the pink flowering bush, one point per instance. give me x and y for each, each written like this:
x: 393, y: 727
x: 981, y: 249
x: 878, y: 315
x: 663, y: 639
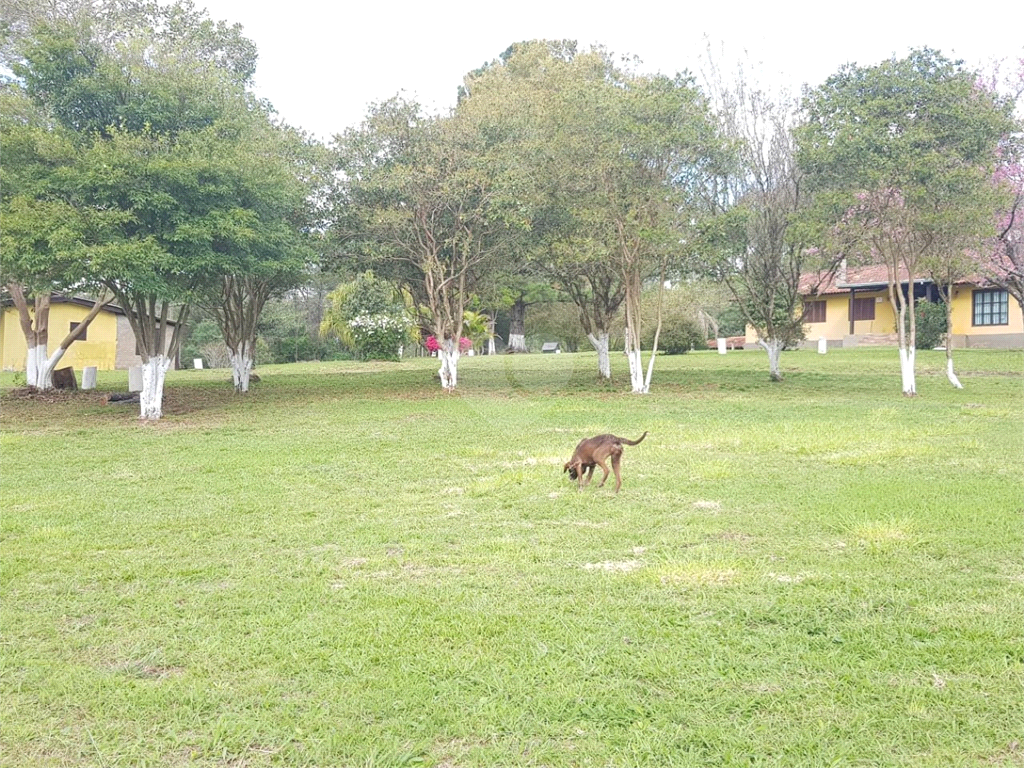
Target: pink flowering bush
x: 432, y: 344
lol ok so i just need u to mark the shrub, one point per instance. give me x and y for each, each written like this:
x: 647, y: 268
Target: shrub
x: 931, y: 324
x: 680, y: 335
x: 378, y: 337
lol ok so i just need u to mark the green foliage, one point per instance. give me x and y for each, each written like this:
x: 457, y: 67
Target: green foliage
x: 931, y: 323
x: 285, y: 334
x: 679, y: 335
x: 204, y: 332
x: 368, y: 315
x: 901, y: 155
x: 731, y: 321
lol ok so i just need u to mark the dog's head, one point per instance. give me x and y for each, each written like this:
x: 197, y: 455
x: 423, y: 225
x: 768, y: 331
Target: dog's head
x: 571, y: 469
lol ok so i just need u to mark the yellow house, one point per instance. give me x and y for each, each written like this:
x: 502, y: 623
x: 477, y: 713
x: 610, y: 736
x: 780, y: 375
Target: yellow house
x: 852, y: 308
x: 109, y: 341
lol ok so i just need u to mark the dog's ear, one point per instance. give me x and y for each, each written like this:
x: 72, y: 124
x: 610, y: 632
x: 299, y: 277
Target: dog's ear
x: 565, y: 467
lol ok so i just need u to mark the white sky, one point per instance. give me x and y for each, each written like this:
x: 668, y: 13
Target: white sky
x: 323, y: 63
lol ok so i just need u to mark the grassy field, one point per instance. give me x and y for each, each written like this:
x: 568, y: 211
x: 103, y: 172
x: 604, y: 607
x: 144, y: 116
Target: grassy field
x: 348, y: 568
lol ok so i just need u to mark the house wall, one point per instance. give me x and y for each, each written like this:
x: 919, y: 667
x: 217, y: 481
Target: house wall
x: 966, y: 334
x: 127, y: 354
x: 98, y: 349
x: 837, y: 319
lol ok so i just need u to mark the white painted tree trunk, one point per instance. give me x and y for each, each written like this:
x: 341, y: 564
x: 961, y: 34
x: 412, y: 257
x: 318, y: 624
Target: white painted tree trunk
x: 39, y: 368
x: 37, y: 372
x: 604, y: 362
x: 517, y: 342
x: 774, y: 349
x: 241, y: 367
x: 636, y: 372
x: 650, y: 371
x: 951, y: 375
x: 151, y: 398
x: 448, y: 354
x: 907, y: 371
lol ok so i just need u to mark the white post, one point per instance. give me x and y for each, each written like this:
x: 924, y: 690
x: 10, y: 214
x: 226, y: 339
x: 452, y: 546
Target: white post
x: 135, y: 378
x: 197, y: 363
x: 721, y: 346
x: 89, y: 377
x: 822, y: 345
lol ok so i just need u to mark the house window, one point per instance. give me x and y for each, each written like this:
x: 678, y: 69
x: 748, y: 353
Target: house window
x: 864, y: 309
x: 991, y: 308
x: 84, y: 333
x: 814, y: 311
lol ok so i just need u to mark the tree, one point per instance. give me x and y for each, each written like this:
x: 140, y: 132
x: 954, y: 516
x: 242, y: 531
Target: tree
x: 421, y: 208
x: 607, y: 162
x: 755, y: 245
x: 47, y: 235
x: 271, y: 244
x: 153, y: 99
x: 900, y: 154
x: 527, y: 102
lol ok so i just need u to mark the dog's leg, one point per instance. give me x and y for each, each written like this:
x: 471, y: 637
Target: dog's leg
x: 616, y: 461
x: 590, y: 475
x: 604, y: 468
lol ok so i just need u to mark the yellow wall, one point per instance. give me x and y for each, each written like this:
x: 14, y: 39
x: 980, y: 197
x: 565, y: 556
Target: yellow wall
x: 837, y: 317
x: 963, y: 316
x: 98, y: 349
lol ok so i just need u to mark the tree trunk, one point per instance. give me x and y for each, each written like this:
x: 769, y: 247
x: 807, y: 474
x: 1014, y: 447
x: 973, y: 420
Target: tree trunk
x: 151, y: 399
x: 517, y: 327
x: 949, y: 339
x: 241, y: 367
x: 906, y: 341
x: 907, y: 371
x: 604, y: 363
x: 636, y: 371
x: 448, y: 354
x: 38, y: 372
x: 774, y: 349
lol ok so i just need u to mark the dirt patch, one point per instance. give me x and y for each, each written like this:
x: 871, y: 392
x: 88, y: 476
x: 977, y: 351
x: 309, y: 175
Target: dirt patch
x: 709, y: 506
x: 53, y: 395
x: 614, y: 566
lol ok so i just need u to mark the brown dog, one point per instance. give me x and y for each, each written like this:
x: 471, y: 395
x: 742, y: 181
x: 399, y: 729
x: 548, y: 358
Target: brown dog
x: 593, y: 452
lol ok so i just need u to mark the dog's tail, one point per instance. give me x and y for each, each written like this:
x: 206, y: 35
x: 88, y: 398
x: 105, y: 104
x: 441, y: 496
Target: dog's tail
x: 639, y: 440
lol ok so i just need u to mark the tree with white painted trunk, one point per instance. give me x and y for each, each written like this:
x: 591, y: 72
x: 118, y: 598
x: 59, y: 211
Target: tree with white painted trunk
x: 616, y: 162
x: 154, y: 101
x: 754, y: 245
x: 266, y: 242
x: 34, y: 321
x: 421, y: 208
x: 900, y: 156
x: 47, y: 241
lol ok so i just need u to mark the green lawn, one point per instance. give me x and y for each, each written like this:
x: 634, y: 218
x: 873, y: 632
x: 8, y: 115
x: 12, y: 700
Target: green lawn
x: 349, y: 568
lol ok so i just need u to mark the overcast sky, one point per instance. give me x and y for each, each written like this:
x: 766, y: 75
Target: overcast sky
x: 323, y: 63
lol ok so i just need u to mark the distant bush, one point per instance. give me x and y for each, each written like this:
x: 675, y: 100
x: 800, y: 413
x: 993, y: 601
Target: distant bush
x: 931, y: 324
x: 679, y: 335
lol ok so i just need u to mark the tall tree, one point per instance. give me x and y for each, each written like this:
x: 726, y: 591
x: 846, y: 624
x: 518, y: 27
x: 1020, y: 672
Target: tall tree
x: 153, y: 97
x: 900, y: 154
x: 272, y: 239
x: 48, y: 236
x: 423, y: 211
x: 755, y: 245
x: 613, y: 160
